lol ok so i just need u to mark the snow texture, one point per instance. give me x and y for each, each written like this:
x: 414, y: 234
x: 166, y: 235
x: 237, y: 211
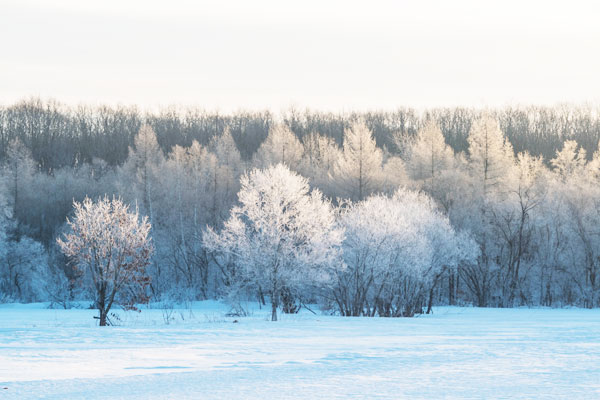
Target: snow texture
x: 201, y: 353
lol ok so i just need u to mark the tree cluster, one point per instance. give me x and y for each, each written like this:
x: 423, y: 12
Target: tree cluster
x: 371, y: 214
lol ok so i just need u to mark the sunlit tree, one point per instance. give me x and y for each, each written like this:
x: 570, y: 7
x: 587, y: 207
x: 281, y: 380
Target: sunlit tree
x: 358, y: 171
x: 111, y: 247
x: 282, y: 235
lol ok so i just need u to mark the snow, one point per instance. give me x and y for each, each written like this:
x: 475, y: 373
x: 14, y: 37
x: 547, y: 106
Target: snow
x: 201, y: 353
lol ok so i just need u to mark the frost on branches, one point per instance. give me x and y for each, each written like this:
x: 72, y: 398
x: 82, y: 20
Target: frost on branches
x: 111, y: 248
x: 396, y: 249
x: 281, y: 237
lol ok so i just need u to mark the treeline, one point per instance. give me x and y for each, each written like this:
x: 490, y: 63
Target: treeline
x: 59, y: 136
x: 519, y: 190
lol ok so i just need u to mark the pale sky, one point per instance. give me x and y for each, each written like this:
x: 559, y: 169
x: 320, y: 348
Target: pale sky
x: 331, y: 55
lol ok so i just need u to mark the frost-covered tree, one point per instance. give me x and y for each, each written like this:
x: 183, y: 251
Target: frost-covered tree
x: 593, y: 166
x: 19, y: 167
x: 430, y: 162
x: 111, y: 247
x: 225, y: 176
x: 282, y: 235
x: 183, y: 209
x: 6, y: 278
x: 569, y: 161
x: 24, y: 270
x: 395, y: 249
x: 577, y: 195
x: 280, y: 146
x: 429, y: 156
x: 23, y: 261
x: 455, y: 194
x: 513, y: 225
x: 358, y: 172
x: 394, y: 174
x: 142, y: 170
x: 491, y: 164
x: 141, y: 184
x: 553, y: 256
x: 490, y: 153
x: 199, y: 188
x: 319, y: 158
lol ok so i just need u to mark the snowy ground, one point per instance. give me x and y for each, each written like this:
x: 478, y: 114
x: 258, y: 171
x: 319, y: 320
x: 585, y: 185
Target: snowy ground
x: 454, y: 353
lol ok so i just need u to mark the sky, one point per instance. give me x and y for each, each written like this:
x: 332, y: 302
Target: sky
x: 319, y: 54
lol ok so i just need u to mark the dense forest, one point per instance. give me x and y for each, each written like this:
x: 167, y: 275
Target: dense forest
x: 489, y: 207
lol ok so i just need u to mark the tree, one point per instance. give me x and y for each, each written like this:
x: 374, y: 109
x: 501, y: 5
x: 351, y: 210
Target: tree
x: 24, y: 270
x: 280, y: 146
x: 453, y: 191
x: 490, y: 153
x: 320, y: 155
x: 282, y: 235
x: 142, y: 168
x: 512, y: 222
x: 577, y: 192
x: 20, y: 168
x: 199, y: 189
x: 569, y: 161
x: 184, y: 210
x: 6, y: 278
x: 394, y: 174
x: 225, y: 175
x: 140, y: 183
x: 491, y: 161
x: 111, y: 245
x: 395, y: 249
x: 554, y: 247
x: 429, y: 156
x: 358, y: 172
x: 23, y: 261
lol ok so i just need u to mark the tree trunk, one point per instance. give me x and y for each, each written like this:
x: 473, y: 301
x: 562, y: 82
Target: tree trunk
x: 103, y: 315
x: 101, y: 304
x: 273, y: 310
x: 430, y: 300
x: 451, y: 288
x: 456, y: 288
x: 274, y: 299
x: 431, y: 291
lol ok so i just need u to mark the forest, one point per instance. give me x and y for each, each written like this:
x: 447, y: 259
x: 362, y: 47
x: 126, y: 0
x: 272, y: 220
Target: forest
x: 365, y: 213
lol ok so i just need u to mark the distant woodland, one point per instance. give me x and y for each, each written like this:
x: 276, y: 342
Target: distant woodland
x: 503, y: 204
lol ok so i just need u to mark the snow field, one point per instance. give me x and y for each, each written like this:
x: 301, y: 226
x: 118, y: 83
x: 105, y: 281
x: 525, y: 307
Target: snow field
x: 201, y: 353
